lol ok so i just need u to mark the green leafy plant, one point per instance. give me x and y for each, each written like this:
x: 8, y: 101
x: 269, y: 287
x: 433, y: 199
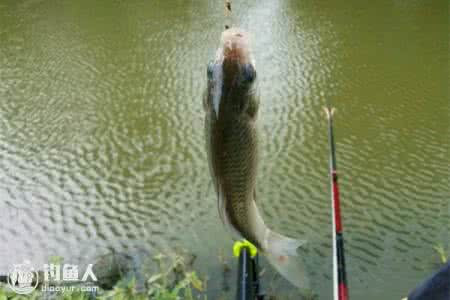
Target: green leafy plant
x: 73, y: 295
x: 124, y: 290
x: 7, y: 294
x: 173, y: 282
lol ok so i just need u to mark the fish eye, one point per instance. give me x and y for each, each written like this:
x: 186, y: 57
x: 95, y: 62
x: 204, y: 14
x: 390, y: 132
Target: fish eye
x: 209, y: 70
x: 249, y: 73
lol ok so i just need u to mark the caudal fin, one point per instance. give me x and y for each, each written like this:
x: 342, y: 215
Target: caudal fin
x: 282, y: 254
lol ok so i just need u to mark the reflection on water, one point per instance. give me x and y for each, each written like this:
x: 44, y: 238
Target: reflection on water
x: 101, y: 134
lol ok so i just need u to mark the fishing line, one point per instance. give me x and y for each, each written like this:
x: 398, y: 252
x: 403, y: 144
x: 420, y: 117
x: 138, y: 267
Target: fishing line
x: 227, y: 13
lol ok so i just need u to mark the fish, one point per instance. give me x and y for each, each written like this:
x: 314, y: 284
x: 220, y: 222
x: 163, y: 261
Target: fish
x: 231, y: 103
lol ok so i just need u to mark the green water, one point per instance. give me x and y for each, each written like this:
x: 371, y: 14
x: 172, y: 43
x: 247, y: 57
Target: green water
x: 101, y: 133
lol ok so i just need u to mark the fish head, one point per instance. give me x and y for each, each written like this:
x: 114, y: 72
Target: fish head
x: 231, y: 76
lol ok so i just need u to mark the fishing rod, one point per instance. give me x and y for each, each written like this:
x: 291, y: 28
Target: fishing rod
x: 248, y: 284
x: 340, y: 288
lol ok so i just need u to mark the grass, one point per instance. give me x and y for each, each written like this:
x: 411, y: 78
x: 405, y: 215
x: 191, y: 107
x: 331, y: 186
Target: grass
x: 174, y: 281
x: 442, y: 253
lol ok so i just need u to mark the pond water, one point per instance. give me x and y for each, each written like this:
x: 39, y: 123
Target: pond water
x: 102, y: 143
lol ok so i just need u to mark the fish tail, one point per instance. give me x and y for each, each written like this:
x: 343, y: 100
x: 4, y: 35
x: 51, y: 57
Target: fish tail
x: 282, y: 254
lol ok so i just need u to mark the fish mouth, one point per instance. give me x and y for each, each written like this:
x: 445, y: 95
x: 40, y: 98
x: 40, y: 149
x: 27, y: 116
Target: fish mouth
x: 235, y: 51
x: 235, y: 45
x: 235, y: 63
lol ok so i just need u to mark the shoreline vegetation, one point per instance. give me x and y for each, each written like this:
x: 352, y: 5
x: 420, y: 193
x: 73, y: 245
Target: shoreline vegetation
x: 174, y: 279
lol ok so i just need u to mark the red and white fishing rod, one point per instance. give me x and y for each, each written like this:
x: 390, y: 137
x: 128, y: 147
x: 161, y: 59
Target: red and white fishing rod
x: 339, y: 274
